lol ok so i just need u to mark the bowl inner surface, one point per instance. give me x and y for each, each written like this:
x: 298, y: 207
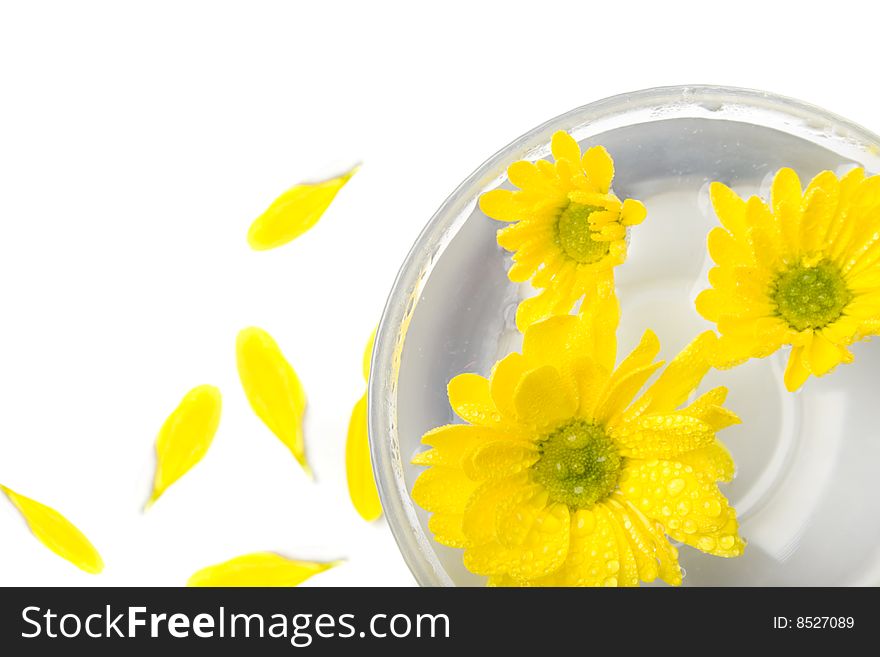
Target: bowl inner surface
x: 806, y: 485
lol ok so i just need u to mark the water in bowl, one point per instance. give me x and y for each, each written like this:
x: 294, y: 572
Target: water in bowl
x: 806, y: 484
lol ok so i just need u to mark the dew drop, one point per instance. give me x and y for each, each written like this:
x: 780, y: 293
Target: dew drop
x: 675, y: 486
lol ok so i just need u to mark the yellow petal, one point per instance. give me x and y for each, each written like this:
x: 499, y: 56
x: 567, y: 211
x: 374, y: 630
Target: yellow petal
x: 295, y: 212
x: 544, y: 398
x: 689, y: 507
x: 628, y: 564
x: 713, y: 462
x: 729, y: 207
x: 451, y: 442
x: 642, y: 355
x: 602, y: 314
x: 443, y: 489
x: 725, y: 249
x: 683, y: 374
x: 662, y: 436
x: 849, y: 186
x: 481, y: 510
x: 591, y: 381
x: 259, y: 569
x: 621, y: 392
x: 708, y: 408
x: 273, y: 389
x: 501, y: 204
x: 824, y: 356
x: 593, y: 552
x: 525, y: 174
x: 358, y: 466
x: 505, y: 376
x: 185, y: 437
x: 637, y: 538
x: 763, y: 233
x: 550, y: 302
x: 599, y: 168
x: 535, y: 539
x: 796, y: 371
x: 471, y: 399
x: 633, y: 212
x: 819, y: 206
x: 499, y: 458
x: 785, y: 199
x: 557, y: 340
x: 711, y: 304
x: 564, y: 147
x: 447, y: 530
x: 57, y: 533
x: 666, y: 553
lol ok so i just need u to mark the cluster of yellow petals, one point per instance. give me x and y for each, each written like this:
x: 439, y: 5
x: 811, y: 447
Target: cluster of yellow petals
x: 480, y: 484
x: 802, y: 270
x: 568, y: 229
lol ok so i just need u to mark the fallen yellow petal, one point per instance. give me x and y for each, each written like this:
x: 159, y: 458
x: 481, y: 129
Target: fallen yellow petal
x: 295, y: 212
x: 273, y: 389
x: 358, y: 467
x: 185, y: 437
x: 57, y: 533
x: 259, y: 569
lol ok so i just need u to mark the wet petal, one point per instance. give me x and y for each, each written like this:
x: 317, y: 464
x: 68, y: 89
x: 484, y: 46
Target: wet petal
x: 506, y: 375
x: 443, y: 489
x: 447, y: 529
x: 785, y: 199
x: 543, y: 398
x: 499, y: 458
x: 682, y: 375
x: 620, y: 392
x: 592, y: 553
x: 819, y: 207
x: 450, y: 442
x: 662, y: 436
x: 713, y: 462
x: 471, y: 399
x: 689, y: 507
x: 482, y: 508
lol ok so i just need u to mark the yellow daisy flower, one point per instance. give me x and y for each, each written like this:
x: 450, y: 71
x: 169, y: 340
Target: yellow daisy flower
x: 569, y: 230
x: 557, y: 479
x: 803, y: 270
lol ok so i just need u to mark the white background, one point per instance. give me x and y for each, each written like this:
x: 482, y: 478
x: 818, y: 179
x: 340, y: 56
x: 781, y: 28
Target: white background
x: 139, y: 140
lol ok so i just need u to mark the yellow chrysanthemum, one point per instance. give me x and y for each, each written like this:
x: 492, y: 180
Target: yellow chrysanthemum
x: 803, y: 270
x: 569, y: 230
x: 557, y: 479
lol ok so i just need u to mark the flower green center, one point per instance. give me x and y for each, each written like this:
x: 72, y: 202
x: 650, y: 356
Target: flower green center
x: 575, y: 236
x: 810, y: 297
x: 579, y: 464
